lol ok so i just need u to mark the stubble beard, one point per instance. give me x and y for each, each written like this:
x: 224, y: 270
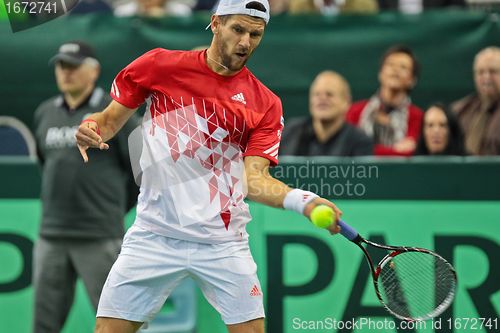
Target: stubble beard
x: 227, y: 60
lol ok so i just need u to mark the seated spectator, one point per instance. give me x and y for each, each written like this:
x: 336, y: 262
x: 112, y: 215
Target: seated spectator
x: 389, y: 117
x: 479, y: 112
x: 326, y: 132
x: 152, y: 8
x: 441, y: 133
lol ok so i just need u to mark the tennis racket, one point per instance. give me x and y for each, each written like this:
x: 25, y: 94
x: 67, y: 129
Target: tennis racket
x: 410, y: 282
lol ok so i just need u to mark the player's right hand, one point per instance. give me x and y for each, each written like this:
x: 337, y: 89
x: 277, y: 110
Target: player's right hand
x: 87, y: 137
x: 334, y: 228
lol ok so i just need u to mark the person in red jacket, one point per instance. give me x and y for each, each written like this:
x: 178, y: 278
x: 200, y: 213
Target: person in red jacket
x: 388, y: 116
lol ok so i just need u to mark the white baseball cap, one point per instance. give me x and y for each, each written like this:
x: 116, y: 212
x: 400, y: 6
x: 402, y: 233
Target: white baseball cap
x: 230, y: 7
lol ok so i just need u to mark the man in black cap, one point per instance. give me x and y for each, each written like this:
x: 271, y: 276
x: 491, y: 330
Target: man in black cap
x: 82, y: 205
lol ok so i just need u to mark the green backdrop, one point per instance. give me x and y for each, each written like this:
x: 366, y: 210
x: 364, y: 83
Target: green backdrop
x: 308, y: 277
x: 461, y: 221
x: 286, y: 250
x: 293, y: 51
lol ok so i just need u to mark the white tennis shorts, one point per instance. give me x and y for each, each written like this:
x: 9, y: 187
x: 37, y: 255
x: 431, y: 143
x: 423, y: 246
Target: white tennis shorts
x: 150, y: 266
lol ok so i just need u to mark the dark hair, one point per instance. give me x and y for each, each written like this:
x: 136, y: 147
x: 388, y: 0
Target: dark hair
x: 406, y: 50
x: 223, y: 18
x: 455, y: 144
x: 257, y: 6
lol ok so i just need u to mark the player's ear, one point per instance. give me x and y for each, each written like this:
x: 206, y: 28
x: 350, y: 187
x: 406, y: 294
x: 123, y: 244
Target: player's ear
x: 214, y: 24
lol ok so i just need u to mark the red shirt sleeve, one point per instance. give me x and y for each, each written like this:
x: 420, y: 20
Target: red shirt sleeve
x: 264, y: 140
x: 354, y: 113
x: 131, y: 86
x: 381, y: 150
x: 415, y: 119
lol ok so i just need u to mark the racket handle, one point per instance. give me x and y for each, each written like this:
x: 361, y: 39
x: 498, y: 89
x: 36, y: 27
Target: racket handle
x: 347, y: 231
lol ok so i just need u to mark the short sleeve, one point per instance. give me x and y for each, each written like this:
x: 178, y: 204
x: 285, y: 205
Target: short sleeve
x: 131, y: 86
x: 264, y: 140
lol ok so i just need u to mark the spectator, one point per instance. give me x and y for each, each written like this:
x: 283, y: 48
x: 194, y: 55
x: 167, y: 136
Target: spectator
x: 153, y: 8
x: 441, y: 133
x: 479, y: 113
x: 82, y: 206
x: 389, y: 117
x: 326, y: 132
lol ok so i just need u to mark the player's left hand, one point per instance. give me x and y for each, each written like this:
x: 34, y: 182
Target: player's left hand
x: 333, y: 228
x: 87, y: 137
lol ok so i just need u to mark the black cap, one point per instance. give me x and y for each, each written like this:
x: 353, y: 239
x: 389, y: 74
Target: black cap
x: 74, y: 52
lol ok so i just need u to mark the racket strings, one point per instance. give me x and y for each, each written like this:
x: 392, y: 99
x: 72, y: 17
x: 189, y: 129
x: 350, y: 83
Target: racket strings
x: 410, y: 285
x: 416, y: 285
x: 407, y: 282
x: 397, y: 296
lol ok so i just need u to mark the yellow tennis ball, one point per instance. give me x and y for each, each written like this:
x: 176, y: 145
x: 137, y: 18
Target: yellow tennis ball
x: 322, y: 216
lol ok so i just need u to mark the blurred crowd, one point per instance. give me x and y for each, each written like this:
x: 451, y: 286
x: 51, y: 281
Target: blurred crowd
x: 386, y: 123
x: 389, y: 124
x: 159, y: 8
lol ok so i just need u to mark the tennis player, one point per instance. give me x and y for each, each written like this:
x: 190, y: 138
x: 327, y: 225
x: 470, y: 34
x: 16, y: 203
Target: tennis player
x: 210, y: 134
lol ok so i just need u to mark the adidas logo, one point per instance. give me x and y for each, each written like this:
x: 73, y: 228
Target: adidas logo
x: 239, y: 98
x: 255, y: 291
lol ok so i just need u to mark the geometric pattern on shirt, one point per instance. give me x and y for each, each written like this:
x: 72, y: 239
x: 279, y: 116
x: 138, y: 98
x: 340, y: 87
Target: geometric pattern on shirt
x: 212, y: 136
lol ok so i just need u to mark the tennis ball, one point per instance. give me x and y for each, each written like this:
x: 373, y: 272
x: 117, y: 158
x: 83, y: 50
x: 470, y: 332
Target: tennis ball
x: 322, y: 216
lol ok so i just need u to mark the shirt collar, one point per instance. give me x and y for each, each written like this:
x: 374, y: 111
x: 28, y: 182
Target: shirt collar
x: 92, y: 99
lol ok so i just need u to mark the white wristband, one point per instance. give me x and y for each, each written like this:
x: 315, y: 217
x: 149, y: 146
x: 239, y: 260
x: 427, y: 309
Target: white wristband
x: 297, y: 200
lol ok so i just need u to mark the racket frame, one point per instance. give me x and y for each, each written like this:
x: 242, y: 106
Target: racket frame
x: 396, y: 250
